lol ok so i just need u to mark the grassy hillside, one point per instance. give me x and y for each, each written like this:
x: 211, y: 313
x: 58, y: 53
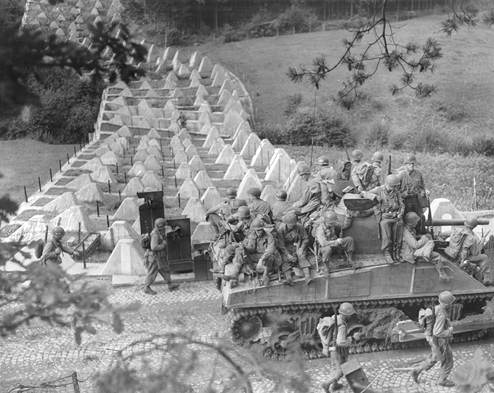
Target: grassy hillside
x: 464, y: 78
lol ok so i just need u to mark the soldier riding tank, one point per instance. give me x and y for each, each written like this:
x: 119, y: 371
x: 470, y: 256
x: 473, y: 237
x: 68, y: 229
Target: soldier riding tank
x: 387, y: 297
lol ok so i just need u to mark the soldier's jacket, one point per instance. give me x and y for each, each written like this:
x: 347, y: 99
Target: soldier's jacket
x: 263, y: 244
x: 358, y: 173
x: 342, y: 339
x: 49, y: 254
x: 158, y: 252
x: 390, y: 203
x: 290, y: 239
x: 442, y: 323
x: 373, y: 176
x: 311, y: 200
x: 226, y: 208
x: 258, y: 207
x: 279, y: 208
x: 240, y: 226
x: 410, y: 243
x: 471, y: 246
x: 327, y: 235
x: 412, y: 183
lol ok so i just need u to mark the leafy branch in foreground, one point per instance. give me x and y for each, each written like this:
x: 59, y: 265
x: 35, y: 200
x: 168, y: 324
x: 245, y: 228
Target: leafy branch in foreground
x: 363, y: 60
x: 173, y: 362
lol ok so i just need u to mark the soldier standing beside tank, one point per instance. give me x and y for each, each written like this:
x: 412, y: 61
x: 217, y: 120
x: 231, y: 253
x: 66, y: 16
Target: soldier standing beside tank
x: 280, y: 206
x: 439, y: 333
x: 389, y: 211
x: 413, y: 190
x: 293, y: 243
x: 156, y: 259
x: 54, y: 247
x: 342, y: 343
x: 328, y: 237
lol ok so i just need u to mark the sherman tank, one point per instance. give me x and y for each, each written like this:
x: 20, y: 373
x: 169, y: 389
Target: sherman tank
x: 387, y: 298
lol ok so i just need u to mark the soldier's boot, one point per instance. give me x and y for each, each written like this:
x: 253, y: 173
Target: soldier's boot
x: 415, y: 376
x: 172, y: 286
x: 149, y: 291
x: 331, y: 386
x: 288, y: 278
x: 388, y: 257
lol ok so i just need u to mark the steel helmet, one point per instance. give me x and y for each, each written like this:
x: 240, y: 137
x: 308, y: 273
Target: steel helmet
x: 330, y: 217
x: 290, y: 218
x: 346, y: 309
x: 392, y: 180
x: 257, y: 223
x: 160, y: 222
x: 231, y: 192
x: 255, y: 192
x: 323, y: 161
x: 446, y: 298
x: 411, y: 159
x: 58, y: 231
x: 357, y: 154
x: 471, y: 222
x: 281, y: 195
x: 303, y: 169
x: 243, y: 212
x: 412, y: 218
x: 377, y: 156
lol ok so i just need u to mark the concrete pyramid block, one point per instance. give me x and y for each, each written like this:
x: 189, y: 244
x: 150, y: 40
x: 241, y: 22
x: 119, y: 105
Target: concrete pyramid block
x: 224, y: 98
x: 155, y: 152
x: 69, y: 220
x: 227, y: 85
x: 250, y: 180
x: 176, y: 61
x: 191, y: 151
x: 124, y: 131
x: 176, y: 141
x: 219, y: 78
x: 204, y: 119
x: 128, y: 210
x: 217, y: 147
x: 154, y: 142
x: 123, y: 142
x: 152, y: 163
x: 180, y: 157
x: 194, y: 210
x: 204, y: 130
x: 61, y: 203
x: 188, y: 189
x: 136, y: 226
x: 241, y: 136
x: 79, y: 182
x: 204, y: 233
x: 205, y: 67
x: 194, y: 61
x: 143, y: 142
x: 263, y: 155
x: 138, y: 169
x: 195, y: 79
x: 183, y: 71
x: 205, y: 107
x: 279, y: 169
x: 226, y: 155
x: 269, y: 193
x: 211, y: 198
x: 169, y: 108
x: 103, y: 175
x: 178, y: 149
x: 202, y: 92
x: 150, y: 179
x: 213, y: 134
x: 250, y: 146
x: 101, y: 150
x: 187, y: 143
x: 196, y: 164
x: 93, y: 164
x: 153, y: 134
x: 183, y: 134
x: 126, y: 259
x: 199, y: 100
x: 133, y: 187
x: 236, y: 170
x: 145, y: 85
x: 31, y: 230
x: 170, y: 84
x: 90, y: 193
x: 183, y: 171
x: 296, y: 189
x: 110, y: 158
x: 231, y: 122
x: 202, y: 180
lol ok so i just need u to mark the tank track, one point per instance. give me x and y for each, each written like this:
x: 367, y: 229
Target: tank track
x: 236, y: 316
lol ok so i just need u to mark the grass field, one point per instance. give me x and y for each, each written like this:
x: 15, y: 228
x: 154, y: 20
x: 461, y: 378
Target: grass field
x: 464, y: 78
x: 23, y: 160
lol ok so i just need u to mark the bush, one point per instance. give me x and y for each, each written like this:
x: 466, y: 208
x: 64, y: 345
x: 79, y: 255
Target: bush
x: 377, y: 134
x: 324, y: 129
x: 232, y: 34
x: 293, y: 102
x: 453, y: 111
x: 296, y: 18
x: 483, y: 144
x: 274, y: 133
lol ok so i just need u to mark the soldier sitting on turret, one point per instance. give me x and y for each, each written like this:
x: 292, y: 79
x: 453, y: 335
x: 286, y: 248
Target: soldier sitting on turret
x: 328, y: 236
x: 465, y: 248
x: 280, y: 206
x: 257, y: 206
x: 261, y: 251
x: 415, y: 247
x: 218, y: 214
x: 293, y: 243
x: 389, y: 211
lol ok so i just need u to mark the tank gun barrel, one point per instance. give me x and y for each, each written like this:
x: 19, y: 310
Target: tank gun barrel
x: 438, y: 222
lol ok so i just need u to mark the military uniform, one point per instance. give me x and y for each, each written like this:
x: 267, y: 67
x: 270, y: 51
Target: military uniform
x: 413, y: 191
x: 258, y: 207
x: 471, y: 251
x: 52, y: 252
x: 293, y: 245
x: 389, y: 211
x: 219, y: 213
x: 156, y: 259
x: 328, y: 238
x: 279, y: 209
x: 359, y: 170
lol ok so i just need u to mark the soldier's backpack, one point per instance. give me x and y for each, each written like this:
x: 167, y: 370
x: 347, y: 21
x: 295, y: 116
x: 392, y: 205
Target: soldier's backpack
x: 146, y: 241
x: 455, y: 244
x: 326, y: 330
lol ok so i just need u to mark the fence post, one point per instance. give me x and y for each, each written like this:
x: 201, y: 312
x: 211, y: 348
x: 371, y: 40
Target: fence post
x: 75, y: 383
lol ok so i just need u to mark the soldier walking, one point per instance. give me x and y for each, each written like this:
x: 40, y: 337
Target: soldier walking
x: 156, y: 258
x: 439, y: 333
x: 54, y: 247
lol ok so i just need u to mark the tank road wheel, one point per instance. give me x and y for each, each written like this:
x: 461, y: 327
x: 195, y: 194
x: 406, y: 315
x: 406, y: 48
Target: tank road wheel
x: 246, y: 328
